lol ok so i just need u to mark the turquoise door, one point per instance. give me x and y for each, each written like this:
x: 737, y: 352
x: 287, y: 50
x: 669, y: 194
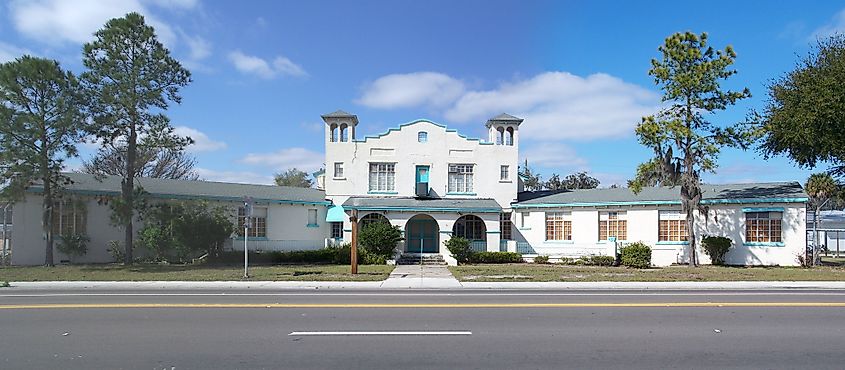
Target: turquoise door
x: 421, y: 236
x: 422, y: 174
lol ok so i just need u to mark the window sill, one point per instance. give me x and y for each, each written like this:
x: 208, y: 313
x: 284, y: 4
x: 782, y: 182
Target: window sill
x: 339, y: 178
x: 312, y: 225
x: 673, y: 243
x: 608, y: 241
x: 505, y: 181
x: 560, y: 242
x: 459, y: 193
x: 523, y: 228
x: 764, y: 244
x: 383, y: 192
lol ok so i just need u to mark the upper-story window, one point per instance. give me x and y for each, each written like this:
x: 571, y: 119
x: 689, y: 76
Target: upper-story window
x: 344, y: 133
x: 422, y: 137
x: 460, y: 178
x: 763, y: 227
x: 500, y: 136
x: 335, y: 131
x: 338, y: 169
x: 509, y: 136
x: 613, y: 224
x: 504, y: 173
x: 382, y: 176
x: 312, y: 217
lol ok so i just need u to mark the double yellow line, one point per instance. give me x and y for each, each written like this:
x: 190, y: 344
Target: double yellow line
x: 415, y: 305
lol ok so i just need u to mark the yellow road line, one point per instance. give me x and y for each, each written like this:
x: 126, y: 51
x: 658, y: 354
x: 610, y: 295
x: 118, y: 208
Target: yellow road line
x: 418, y: 305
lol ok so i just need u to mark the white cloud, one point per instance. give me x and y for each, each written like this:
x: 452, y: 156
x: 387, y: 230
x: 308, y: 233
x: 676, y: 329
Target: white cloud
x: 560, y: 105
x: 202, y: 143
x: 59, y: 21
x: 176, y: 4
x: 254, y: 65
x: 554, y: 155
x: 284, y: 159
x: 199, y: 48
x: 836, y: 25
x: 10, y: 52
x: 411, y: 89
x: 234, y: 176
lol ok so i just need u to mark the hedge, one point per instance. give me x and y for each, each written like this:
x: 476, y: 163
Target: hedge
x: 495, y: 257
x: 637, y: 255
x: 717, y: 247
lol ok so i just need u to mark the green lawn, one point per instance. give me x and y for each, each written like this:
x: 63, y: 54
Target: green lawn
x: 533, y: 272
x: 193, y: 273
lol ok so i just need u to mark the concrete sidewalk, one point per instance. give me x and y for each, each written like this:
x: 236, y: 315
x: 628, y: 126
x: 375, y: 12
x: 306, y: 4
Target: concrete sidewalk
x: 411, y: 281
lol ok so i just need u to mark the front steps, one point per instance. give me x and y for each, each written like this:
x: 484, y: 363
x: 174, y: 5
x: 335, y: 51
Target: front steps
x: 424, y: 259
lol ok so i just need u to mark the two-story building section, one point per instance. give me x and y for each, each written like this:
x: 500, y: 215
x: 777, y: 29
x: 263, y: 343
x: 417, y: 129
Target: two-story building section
x: 431, y: 181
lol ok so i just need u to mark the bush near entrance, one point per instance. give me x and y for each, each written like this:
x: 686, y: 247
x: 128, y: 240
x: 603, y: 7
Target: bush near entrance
x: 716, y: 247
x: 379, y: 239
x: 459, y: 248
x: 637, y: 255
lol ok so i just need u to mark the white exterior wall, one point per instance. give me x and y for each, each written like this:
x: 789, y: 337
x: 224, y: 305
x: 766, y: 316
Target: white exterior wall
x: 284, y: 222
x: 400, y: 146
x: 642, y: 225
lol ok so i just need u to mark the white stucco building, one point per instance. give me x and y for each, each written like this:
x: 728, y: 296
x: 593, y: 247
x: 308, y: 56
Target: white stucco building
x: 434, y: 184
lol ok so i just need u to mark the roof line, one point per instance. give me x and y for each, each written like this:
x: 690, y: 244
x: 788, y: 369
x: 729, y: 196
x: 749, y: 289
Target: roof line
x: 661, y: 202
x: 38, y: 190
x: 379, y: 136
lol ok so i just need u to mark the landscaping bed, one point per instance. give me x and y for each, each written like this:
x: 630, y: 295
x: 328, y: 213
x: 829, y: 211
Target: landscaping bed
x: 156, y: 272
x: 568, y: 273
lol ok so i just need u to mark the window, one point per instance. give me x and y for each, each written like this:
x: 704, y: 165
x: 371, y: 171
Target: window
x: 509, y: 136
x: 382, y: 176
x: 505, y: 225
x: 470, y: 227
x: 422, y: 137
x: 504, y: 173
x: 673, y: 227
x: 258, y: 227
x: 523, y: 220
x: 500, y: 134
x: 371, y: 218
x: 68, y: 218
x: 337, y: 230
x: 613, y: 224
x: 334, y: 132
x: 344, y: 132
x: 460, y: 178
x: 763, y: 227
x: 312, y: 217
x: 558, y: 226
x: 338, y: 169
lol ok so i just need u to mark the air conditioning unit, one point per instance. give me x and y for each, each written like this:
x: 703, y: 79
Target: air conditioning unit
x: 422, y: 189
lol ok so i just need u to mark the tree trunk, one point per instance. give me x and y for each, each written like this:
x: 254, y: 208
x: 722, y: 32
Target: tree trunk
x: 814, y: 252
x: 47, y: 221
x: 693, y: 258
x: 128, y: 195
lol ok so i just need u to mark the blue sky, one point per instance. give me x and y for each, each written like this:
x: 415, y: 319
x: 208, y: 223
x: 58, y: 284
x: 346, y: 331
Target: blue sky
x: 264, y: 71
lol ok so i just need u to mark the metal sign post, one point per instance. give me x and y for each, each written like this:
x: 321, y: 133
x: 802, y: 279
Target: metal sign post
x: 615, y: 250
x: 247, y: 225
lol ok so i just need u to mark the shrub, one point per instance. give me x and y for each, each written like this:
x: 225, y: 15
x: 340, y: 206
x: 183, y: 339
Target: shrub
x: 596, y: 260
x: 176, y: 231
x: 116, y: 251
x: 637, y: 255
x: 541, y: 260
x: 73, y: 245
x: 459, y: 248
x: 716, y: 247
x: 495, y: 257
x: 343, y: 256
x: 567, y: 261
x: 379, y: 239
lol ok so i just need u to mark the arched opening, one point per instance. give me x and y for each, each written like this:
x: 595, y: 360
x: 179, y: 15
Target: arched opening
x: 371, y: 218
x: 500, y: 135
x: 344, y: 132
x: 509, y: 136
x: 334, y: 132
x: 470, y: 227
x: 422, y: 235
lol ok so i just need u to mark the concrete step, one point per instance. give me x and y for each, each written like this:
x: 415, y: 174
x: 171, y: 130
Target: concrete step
x: 416, y: 259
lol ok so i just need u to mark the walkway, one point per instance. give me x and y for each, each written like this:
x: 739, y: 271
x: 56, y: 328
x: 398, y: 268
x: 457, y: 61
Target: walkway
x: 421, y: 276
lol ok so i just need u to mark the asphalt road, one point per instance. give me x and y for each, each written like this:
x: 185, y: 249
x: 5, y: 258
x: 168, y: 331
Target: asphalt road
x: 429, y: 329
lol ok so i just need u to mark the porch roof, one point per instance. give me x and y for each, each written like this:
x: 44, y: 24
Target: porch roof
x: 422, y: 205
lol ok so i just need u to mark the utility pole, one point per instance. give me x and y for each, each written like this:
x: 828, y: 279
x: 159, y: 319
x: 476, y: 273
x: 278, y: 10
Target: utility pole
x: 247, y: 225
x: 353, y: 258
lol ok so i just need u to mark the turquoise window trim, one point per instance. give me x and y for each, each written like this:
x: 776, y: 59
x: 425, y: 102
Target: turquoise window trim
x: 608, y: 241
x: 427, y: 209
x: 762, y: 209
x: 559, y: 242
x: 383, y: 192
x: 312, y: 225
x: 764, y: 244
x: 673, y: 243
x: 260, y: 238
x: 661, y: 202
x: 460, y: 193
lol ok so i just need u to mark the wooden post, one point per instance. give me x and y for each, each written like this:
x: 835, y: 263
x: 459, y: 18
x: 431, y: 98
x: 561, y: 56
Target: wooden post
x: 353, y: 258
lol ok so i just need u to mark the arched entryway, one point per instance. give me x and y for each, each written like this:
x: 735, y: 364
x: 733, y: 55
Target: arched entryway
x: 371, y: 218
x: 470, y: 227
x: 422, y: 235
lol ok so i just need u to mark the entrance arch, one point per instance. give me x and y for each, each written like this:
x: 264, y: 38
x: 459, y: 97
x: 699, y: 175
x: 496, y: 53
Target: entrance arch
x: 422, y: 235
x: 470, y: 227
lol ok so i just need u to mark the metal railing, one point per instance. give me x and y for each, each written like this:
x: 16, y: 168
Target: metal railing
x: 524, y: 248
x: 503, y: 245
x: 478, y: 245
